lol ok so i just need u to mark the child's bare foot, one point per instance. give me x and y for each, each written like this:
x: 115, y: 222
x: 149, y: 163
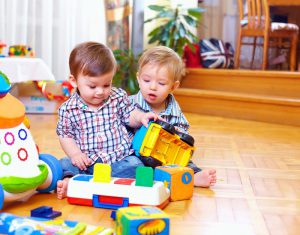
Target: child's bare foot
x: 205, y: 178
x: 62, y: 187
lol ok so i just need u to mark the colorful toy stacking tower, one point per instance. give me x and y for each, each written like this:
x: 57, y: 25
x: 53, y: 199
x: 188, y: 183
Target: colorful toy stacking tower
x: 22, y: 169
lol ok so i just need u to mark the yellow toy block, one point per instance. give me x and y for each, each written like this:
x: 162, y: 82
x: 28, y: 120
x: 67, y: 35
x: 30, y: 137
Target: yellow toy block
x: 138, y: 220
x: 180, y: 180
x: 102, y: 173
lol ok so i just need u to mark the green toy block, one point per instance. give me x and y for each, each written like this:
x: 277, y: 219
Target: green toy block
x: 144, y: 176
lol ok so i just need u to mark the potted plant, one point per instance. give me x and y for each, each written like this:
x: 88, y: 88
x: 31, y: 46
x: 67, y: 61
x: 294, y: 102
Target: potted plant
x: 176, y: 26
x: 125, y: 76
x: 175, y: 31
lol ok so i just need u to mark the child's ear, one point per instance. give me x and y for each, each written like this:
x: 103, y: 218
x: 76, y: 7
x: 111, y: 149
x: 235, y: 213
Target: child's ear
x: 137, y: 77
x: 175, y: 85
x: 73, y: 81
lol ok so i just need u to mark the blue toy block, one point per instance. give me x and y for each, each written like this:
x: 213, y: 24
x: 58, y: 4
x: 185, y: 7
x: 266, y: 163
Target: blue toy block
x: 45, y: 212
x: 113, y: 215
x: 85, y: 178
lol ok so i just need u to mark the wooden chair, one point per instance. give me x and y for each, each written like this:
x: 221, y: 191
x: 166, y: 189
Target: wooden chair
x: 256, y: 23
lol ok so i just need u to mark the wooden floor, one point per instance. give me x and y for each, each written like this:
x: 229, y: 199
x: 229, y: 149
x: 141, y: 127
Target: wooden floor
x: 258, y: 187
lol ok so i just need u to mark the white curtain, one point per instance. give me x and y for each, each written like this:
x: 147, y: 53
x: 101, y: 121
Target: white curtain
x: 52, y: 27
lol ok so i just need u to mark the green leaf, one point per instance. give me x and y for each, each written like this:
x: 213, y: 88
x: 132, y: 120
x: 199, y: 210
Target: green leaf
x: 161, y: 16
x: 155, y: 31
x: 180, y: 51
x: 182, y: 30
x: 169, y: 25
x: 117, y: 51
x: 126, y: 71
x: 165, y: 35
x: 190, y: 20
x: 176, y: 35
x: 167, y: 43
x: 196, y: 12
x: 166, y: 14
x: 156, y: 7
x: 191, y: 46
x: 191, y: 37
x: 132, y: 86
x: 154, y: 38
x: 151, y: 19
x: 175, y: 26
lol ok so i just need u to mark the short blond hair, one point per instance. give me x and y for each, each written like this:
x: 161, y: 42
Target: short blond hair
x: 163, y: 56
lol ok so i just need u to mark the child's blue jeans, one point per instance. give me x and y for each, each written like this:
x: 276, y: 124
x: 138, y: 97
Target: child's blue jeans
x: 194, y: 167
x: 124, y: 168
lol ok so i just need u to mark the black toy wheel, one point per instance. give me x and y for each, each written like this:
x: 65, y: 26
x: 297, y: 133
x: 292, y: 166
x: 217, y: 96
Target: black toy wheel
x: 166, y: 126
x: 150, y: 161
x: 186, y: 138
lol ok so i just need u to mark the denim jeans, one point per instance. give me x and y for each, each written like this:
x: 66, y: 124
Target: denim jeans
x: 194, y: 167
x: 124, y: 168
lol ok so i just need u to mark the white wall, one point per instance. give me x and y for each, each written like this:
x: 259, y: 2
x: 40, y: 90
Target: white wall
x: 220, y: 20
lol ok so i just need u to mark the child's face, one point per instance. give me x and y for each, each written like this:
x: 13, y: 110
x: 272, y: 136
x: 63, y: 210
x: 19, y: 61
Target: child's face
x: 93, y: 90
x: 155, y: 85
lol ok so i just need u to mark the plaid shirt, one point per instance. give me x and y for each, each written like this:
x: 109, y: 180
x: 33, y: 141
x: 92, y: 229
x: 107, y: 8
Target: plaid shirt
x: 99, y: 134
x: 172, y: 114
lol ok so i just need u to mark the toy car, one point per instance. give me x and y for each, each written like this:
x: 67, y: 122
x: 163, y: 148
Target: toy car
x: 161, y: 144
x: 22, y: 169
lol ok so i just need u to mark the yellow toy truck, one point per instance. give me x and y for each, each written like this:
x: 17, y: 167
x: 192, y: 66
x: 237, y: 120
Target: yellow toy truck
x: 160, y: 144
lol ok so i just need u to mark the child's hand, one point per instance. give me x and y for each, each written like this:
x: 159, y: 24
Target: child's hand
x: 138, y: 118
x: 81, y: 161
x: 146, y: 117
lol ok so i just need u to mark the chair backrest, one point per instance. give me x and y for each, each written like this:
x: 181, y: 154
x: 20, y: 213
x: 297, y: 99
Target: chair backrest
x: 255, y: 14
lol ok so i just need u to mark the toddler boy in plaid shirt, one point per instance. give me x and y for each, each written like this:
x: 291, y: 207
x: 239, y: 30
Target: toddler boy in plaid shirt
x: 159, y: 74
x: 92, y: 122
